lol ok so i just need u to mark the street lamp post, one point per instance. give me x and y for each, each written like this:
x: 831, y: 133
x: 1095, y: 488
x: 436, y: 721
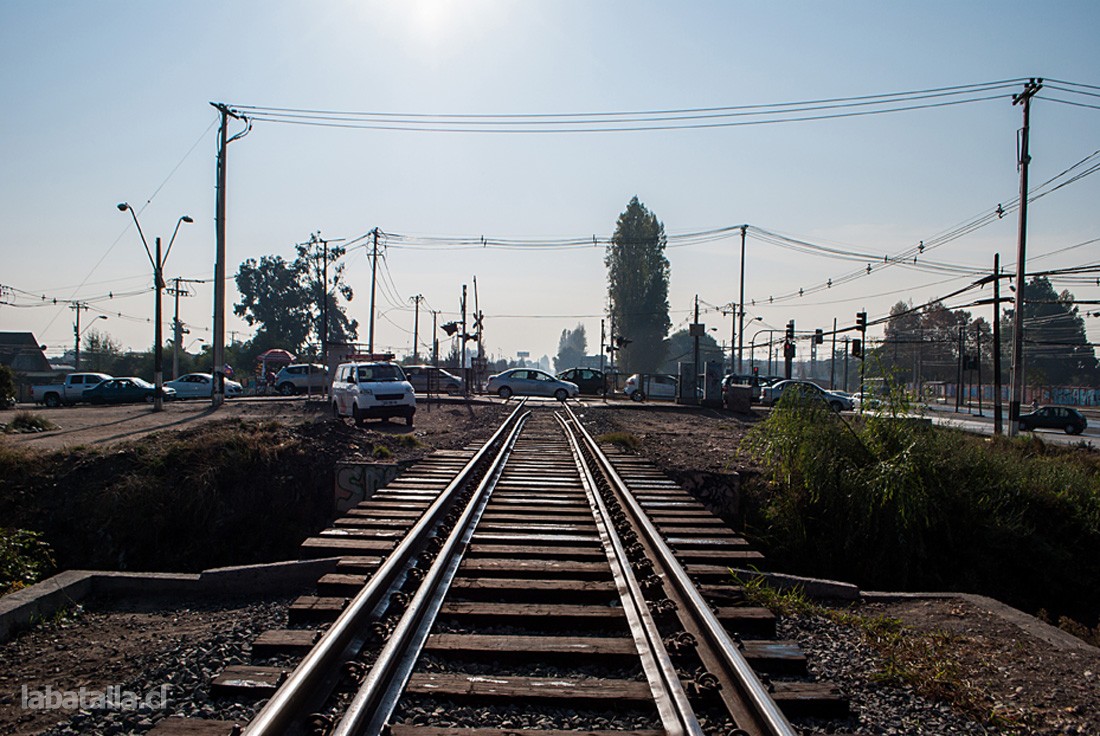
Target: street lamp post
x: 752, y: 347
x: 157, y: 262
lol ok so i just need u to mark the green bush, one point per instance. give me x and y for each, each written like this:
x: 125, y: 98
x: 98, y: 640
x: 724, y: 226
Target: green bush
x: 24, y: 559
x: 888, y: 502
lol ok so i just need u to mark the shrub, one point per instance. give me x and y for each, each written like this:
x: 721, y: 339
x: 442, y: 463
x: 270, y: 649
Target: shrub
x: 888, y: 503
x: 24, y: 559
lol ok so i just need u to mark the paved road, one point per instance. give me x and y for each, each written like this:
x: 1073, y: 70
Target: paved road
x: 983, y: 424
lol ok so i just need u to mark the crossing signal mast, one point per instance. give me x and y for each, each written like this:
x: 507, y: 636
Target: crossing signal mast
x: 788, y: 350
x: 857, y: 351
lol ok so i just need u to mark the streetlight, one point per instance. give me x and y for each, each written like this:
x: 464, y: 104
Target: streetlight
x: 80, y: 333
x: 197, y: 339
x: 158, y: 278
x: 752, y: 347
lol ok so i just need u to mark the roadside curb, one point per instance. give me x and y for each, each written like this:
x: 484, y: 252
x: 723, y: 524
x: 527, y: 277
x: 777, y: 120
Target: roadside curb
x: 1027, y: 623
x: 21, y: 609
x: 834, y: 590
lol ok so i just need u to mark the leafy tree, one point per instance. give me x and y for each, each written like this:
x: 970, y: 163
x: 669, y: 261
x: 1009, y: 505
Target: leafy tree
x: 285, y: 299
x: 99, y: 352
x: 638, y: 276
x: 680, y: 348
x: 1056, y: 347
x: 572, y: 349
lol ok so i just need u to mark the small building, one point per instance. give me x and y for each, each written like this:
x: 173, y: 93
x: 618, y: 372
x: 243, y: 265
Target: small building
x: 27, y: 359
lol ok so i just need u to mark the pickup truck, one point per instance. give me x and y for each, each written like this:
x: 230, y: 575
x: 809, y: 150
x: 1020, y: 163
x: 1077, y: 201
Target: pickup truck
x: 68, y: 392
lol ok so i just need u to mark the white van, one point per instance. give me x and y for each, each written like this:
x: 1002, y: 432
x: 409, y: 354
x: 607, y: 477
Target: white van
x: 374, y: 390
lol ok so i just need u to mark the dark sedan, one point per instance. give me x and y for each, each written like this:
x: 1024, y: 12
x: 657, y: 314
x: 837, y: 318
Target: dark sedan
x: 1069, y: 420
x: 124, y: 391
x: 588, y: 380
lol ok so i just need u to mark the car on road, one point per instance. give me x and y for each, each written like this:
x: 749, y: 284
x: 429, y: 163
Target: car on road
x: 530, y: 382
x: 429, y: 379
x: 126, y: 390
x: 1064, y: 418
x: 300, y: 378
x: 770, y: 395
x: 200, y: 386
x: 372, y: 390
x: 640, y: 387
x: 68, y: 391
x: 588, y: 380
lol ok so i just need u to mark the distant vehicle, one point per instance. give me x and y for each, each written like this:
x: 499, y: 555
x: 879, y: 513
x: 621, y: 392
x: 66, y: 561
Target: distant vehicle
x: 69, y: 391
x: 126, y: 391
x: 200, y: 386
x: 770, y: 395
x: 1068, y: 420
x: 530, y: 382
x: 656, y: 386
x: 588, y: 380
x: 372, y: 390
x: 429, y: 379
x: 301, y: 378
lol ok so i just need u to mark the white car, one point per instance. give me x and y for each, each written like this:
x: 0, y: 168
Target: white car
x: 372, y: 390
x: 530, y: 382
x: 650, y: 386
x: 200, y: 386
x: 771, y: 395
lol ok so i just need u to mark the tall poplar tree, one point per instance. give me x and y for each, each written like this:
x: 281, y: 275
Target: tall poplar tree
x: 637, y: 282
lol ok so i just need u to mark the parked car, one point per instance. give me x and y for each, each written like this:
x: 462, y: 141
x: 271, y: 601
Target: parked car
x: 640, y: 387
x: 1069, y: 420
x: 429, y: 379
x: 372, y: 390
x: 125, y: 391
x: 588, y: 380
x: 770, y: 395
x: 301, y: 378
x: 200, y: 386
x: 69, y: 391
x: 530, y: 382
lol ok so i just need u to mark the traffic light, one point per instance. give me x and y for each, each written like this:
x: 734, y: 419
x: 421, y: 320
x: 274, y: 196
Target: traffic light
x: 790, y: 330
x: 819, y: 336
x: 788, y: 350
x: 857, y: 348
x: 756, y: 370
x: 861, y: 321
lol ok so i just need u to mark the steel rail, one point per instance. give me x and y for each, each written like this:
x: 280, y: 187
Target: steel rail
x: 765, y: 716
x: 677, y: 716
x: 370, y: 709
x: 343, y: 639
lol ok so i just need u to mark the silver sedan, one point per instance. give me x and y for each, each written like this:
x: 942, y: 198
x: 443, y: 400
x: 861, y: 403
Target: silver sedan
x: 530, y: 382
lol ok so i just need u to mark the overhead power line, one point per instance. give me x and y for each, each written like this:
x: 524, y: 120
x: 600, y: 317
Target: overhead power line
x: 637, y: 120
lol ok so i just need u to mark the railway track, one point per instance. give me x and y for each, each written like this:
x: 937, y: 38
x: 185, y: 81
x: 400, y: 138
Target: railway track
x: 532, y: 584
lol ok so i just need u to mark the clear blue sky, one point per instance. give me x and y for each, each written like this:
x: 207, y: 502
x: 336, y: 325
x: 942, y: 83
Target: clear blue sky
x: 108, y: 102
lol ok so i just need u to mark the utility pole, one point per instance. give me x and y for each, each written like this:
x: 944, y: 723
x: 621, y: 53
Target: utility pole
x: 178, y: 330
x: 741, y: 305
x: 602, y: 346
x: 373, y: 282
x: 217, y: 394
x: 998, y: 419
x: 694, y: 356
x: 832, y: 359
x: 1031, y: 88
x: 416, y: 327
x: 324, y: 299
x: 435, y: 340
x: 959, y: 373
x: 77, y: 307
